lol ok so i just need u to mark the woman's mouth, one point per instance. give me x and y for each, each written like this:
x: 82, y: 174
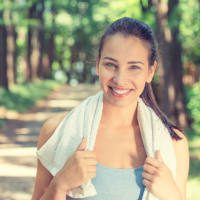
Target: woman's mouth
x: 119, y: 92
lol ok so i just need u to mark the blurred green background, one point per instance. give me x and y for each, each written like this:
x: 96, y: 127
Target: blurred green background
x: 47, y: 43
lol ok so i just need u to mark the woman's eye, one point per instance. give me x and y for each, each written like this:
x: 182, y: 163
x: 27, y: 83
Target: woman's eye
x: 135, y: 67
x: 109, y: 65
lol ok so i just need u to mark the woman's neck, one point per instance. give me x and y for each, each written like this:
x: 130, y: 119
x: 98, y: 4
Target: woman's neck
x: 120, y: 116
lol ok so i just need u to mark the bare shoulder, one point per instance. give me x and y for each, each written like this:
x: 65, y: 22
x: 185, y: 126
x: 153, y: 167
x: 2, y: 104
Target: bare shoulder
x: 49, y: 127
x: 43, y: 176
x: 183, y: 142
x: 181, y: 148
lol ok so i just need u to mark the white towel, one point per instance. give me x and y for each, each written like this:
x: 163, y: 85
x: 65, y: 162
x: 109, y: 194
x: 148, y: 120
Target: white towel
x: 83, y: 121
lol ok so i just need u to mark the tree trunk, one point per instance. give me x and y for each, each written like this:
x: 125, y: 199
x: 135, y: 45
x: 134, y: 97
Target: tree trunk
x: 12, y: 49
x: 164, y: 59
x: 3, y: 55
x: 51, y: 51
x: 51, y: 42
x: 171, y: 92
x: 40, y: 71
x: 29, y: 73
x: 31, y: 15
x: 177, y: 67
x: 12, y: 53
x: 73, y: 59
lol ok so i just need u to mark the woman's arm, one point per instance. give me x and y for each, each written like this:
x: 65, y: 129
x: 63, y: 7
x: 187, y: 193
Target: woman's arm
x: 182, y: 158
x: 158, y: 178
x: 45, y: 184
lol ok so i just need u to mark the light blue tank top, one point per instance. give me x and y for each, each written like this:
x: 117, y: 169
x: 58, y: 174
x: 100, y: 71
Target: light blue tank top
x: 116, y: 184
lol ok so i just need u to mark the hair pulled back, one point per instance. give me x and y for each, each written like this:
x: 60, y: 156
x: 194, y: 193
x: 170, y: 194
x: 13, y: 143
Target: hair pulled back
x: 132, y: 27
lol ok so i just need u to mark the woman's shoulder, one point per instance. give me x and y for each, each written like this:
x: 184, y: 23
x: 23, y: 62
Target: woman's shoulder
x: 49, y: 127
x: 183, y: 141
x: 181, y: 148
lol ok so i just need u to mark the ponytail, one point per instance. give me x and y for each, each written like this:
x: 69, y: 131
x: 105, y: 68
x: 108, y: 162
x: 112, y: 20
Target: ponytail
x: 149, y: 99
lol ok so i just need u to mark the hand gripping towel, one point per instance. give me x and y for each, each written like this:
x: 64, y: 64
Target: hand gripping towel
x: 83, y: 121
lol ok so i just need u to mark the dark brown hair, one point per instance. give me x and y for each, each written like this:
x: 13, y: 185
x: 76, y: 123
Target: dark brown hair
x: 132, y: 27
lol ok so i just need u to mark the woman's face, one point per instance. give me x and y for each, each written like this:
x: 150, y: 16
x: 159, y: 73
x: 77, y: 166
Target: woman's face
x: 123, y: 69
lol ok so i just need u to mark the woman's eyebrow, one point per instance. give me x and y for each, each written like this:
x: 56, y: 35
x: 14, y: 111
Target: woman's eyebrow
x: 109, y: 58
x: 135, y: 62
x: 129, y: 62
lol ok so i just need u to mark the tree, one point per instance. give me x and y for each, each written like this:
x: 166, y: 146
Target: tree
x: 41, y: 37
x: 51, y: 38
x: 31, y: 16
x: 3, y: 54
x: 12, y: 46
x: 171, y: 93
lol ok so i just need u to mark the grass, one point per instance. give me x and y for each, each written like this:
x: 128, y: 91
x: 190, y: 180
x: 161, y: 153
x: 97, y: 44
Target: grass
x: 21, y: 97
x: 194, y: 173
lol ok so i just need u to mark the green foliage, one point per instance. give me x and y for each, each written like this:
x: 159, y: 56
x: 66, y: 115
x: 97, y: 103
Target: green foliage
x: 2, y: 122
x: 76, y: 27
x: 193, y: 188
x: 193, y: 105
x: 190, y: 30
x: 194, y: 175
x: 23, y: 96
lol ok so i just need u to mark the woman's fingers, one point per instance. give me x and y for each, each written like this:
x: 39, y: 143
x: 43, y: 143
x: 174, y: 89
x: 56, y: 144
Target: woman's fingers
x: 147, y: 176
x: 91, y: 162
x: 149, y: 168
x: 152, y: 161
x: 86, y: 154
x: 147, y: 183
x: 91, y: 168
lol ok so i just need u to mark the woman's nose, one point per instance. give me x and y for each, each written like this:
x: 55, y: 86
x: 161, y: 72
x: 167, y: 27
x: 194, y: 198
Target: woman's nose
x: 120, y: 78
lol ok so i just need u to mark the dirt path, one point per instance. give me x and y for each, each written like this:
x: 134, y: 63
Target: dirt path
x: 19, y: 136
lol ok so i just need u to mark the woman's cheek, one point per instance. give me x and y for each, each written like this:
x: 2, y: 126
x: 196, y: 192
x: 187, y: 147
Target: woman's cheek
x: 106, y: 74
x: 138, y: 79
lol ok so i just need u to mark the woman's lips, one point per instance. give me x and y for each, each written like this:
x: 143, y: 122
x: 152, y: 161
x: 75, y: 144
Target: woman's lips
x: 119, y: 92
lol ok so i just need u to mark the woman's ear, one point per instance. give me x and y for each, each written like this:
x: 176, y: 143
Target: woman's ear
x: 151, y: 72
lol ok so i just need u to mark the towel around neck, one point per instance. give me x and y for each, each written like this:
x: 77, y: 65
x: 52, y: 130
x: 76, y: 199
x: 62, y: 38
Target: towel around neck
x: 83, y: 121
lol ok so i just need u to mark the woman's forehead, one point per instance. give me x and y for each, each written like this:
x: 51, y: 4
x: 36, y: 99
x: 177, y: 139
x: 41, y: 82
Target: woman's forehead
x: 119, y: 46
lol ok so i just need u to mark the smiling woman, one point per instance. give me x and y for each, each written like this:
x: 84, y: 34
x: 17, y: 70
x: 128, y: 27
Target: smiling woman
x: 124, y: 69
x: 130, y: 150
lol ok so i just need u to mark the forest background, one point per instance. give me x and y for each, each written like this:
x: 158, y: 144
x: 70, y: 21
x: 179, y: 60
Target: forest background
x: 45, y: 42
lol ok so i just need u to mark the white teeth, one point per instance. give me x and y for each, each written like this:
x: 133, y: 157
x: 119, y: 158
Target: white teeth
x: 120, y: 91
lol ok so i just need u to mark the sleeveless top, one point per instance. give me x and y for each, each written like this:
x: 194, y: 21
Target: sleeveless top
x: 116, y: 184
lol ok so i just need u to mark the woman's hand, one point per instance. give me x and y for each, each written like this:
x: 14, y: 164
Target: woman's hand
x: 158, y: 179
x: 78, y: 169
